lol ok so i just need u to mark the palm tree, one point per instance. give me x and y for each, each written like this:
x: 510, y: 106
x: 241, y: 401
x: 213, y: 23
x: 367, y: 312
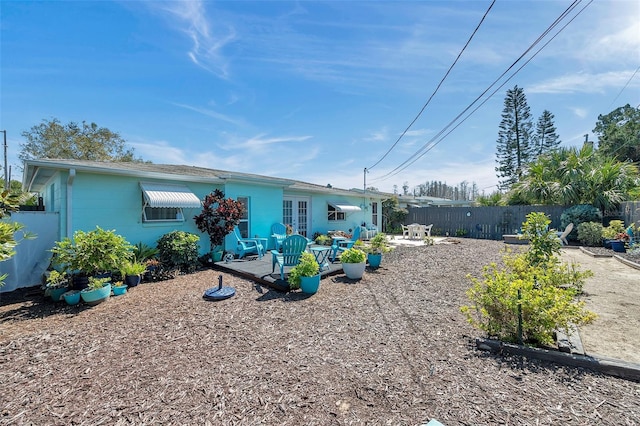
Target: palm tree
x: 578, y: 176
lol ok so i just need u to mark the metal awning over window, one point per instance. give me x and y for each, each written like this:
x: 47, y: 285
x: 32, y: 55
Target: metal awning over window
x: 344, y: 207
x: 169, y: 196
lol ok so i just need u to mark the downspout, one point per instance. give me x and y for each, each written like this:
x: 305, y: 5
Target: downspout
x: 72, y: 175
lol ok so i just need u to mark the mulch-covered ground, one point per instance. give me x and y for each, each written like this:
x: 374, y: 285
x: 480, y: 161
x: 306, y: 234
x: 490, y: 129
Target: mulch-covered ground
x: 391, y: 349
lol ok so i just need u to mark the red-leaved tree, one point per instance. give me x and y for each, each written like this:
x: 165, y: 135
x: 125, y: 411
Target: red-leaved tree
x: 218, y: 217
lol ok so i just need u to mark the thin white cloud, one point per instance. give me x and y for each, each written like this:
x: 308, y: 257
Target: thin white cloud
x: 212, y: 114
x: 380, y: 135
x: 616, y: 36
x: 208, y: 41
x: 583, y: 82
x: 261, y: 141
x: 579, y: 112
x: 418, y: 133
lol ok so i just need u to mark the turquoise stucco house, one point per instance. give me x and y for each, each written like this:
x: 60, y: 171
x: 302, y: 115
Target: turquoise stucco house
x: 143, y: 201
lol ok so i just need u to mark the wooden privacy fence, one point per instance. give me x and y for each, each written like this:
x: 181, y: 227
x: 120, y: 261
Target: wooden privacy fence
x: 630, y: 213
x: 491, y: 223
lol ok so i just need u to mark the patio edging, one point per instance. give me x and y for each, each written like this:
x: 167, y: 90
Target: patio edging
x: 610, y: 366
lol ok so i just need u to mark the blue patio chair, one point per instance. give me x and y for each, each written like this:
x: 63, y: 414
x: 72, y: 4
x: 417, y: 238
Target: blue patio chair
x: 278, y: 233
x: 292, y: 248
x: 246, y: 246
x: 342, y: 245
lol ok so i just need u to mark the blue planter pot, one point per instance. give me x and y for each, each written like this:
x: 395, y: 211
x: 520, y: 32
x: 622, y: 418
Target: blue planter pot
x: 217, y: 256
x: 374, y: 260
x: 618, y: 246
x: 72, y: 297
x: 56, y: 293
x: 119, y: 290
x: 310, y: 285
x: 93, y: 297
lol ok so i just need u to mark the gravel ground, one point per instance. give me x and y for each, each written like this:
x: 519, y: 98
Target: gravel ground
x: 391, y: 349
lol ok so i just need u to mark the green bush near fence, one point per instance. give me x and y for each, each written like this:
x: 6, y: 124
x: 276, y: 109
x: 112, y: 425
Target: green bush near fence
x: 531, y: 296
x: 590, y: 234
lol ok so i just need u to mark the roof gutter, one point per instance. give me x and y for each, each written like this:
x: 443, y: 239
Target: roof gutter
x: 36, y: 169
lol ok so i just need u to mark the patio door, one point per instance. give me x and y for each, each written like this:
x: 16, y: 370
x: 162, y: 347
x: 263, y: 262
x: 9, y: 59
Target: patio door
x: 295, y: 212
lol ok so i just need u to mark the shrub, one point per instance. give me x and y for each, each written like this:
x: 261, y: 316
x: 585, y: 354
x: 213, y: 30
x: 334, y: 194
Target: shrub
x: 543, y: 244
x: 323, y: 240
x: 353, y: 255
x: 218, y: 217
x: 546, y: 304
x: 92, y: 252
x: 590, y: 234
x: 533, y: 295
x: 179, y: 249
x: 579, y: 214
x: 611, y: 232
x: 142, y: 252
x: 379, y: 244
x: 307, y: 267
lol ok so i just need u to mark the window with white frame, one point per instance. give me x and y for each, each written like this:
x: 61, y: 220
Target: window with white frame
x: 374, y: 213
x: 163, y: 202
x: 162, y: 214
x: 243, y: 226
x: 333, y: 214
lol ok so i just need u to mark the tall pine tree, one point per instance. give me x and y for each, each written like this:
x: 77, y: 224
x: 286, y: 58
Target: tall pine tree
x: 546, y: 139
x: 514, y: 147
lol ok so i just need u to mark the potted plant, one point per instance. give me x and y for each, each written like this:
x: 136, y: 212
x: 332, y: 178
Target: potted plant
x: 57, y: 284
x: 151, y: 269
x: 377, y: 245
x: 305, y: 275
x: 132, y: 272
x: 91, y: 253
x: 323, y: 240
x: 218, y: 218
x: 619, y: 244
x: 97, y: 291
x: 72, y: 297
x: 610, y: 233
x: 354, y: 261
x: 119, y: 288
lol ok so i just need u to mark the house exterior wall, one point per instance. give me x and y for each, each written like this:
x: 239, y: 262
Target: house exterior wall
x: 319, y: 218
x: 265, y: 208
x: 114, y: 202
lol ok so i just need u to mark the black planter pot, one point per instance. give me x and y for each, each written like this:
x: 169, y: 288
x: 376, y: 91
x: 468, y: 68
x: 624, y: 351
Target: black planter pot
x: 80, y: 282
x: 132, y: 280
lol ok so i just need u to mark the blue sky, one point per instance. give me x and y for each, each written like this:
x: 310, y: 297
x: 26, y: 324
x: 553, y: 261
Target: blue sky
x: 314, y: 91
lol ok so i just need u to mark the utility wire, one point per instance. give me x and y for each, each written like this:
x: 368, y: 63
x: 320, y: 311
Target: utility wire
x: 625, y: 86
x: 426, y: 148
x: 436, y: 90
x: 431, y: 143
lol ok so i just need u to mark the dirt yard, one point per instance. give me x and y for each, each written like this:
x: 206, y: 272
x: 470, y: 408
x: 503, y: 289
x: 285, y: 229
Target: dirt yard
x: 614, y: 294
x: 391, y: 349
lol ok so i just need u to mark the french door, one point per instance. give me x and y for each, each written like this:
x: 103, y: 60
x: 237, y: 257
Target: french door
x: 295, y: 212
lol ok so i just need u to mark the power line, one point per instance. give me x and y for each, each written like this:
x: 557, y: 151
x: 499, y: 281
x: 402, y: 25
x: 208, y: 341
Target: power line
x: 424, y: 150
x: 436, y: 90
x: 625, y: 86
x: 432, y: 142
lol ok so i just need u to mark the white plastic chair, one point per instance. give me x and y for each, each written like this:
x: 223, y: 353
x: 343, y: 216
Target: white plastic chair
x: 405, y: 231
x: 563, y: 235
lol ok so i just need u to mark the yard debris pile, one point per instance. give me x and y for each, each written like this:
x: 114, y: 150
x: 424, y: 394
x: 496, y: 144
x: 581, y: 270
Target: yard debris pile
x: 392, y: 348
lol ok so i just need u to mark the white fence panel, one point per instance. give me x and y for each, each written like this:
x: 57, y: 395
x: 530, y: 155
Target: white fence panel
x: 32, y: 257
